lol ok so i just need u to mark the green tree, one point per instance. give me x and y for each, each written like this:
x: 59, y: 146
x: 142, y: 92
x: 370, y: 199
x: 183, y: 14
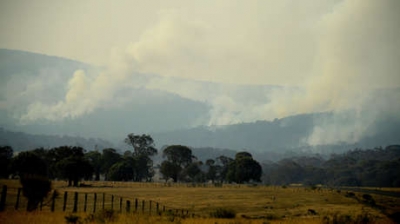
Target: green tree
x: 244, y: 168
x: 95, y: 160
x: 75, y: 168
x: 212, y: 170
x: 109, y: 158
x: 143, y: 168
x: 142, y: 144
x: 194, y: 173
x: 69, y: 163
x: 170, y: 170
x: 121, y: 171
x: 248, y: 169
x: 6, y: 153
x: 143, y: 149
x: 178, y: 158
x: 223, y: 167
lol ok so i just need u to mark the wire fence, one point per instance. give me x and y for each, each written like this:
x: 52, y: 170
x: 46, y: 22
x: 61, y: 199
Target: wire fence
x: 72, y: 201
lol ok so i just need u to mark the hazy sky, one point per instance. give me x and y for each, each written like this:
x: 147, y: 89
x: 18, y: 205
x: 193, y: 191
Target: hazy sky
x: 334, y: 50
x: 256, y: 42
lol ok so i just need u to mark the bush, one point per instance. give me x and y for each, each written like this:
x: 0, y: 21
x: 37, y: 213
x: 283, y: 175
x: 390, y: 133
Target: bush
x: 223, y: 213
x: 35, y: 188
x: 72, y: 219
x: 103, y: 216
x: 350, y: 195
x: 369, y: 200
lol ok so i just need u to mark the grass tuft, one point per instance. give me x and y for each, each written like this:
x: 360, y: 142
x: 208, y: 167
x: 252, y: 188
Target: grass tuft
x: 223, y: 213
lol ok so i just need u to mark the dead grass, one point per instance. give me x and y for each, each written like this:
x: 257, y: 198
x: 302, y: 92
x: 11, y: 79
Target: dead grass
x: 253, y: 204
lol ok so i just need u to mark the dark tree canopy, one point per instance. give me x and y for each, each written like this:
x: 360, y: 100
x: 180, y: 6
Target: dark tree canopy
x: 241, y: 155
x: 170, y: 170
x: 142, y: 144
x: 247, y: 169
x: 244, y: 168
x: 75, y: 168
x: 70, y: 163
x: 223, y: 169
x: 212, y: 172
x: 121, y: 171
x: 194, y: 173
x: 28, y: 163
x: 95, y: 160
x: 143, y: 149
x: 178, y: 154
x: 178, y: 158
x: 6, y: 153
x: 109, y: 158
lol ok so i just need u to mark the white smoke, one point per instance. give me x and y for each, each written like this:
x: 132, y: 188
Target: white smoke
x: 358, y: 47
x: 328, y: 56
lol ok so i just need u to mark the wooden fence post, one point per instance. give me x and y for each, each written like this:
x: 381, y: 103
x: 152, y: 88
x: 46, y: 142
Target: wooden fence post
x: 120, y: 204
x: 143, y: 206
x: 18, y: 196
x: 128, y: 206
x: 104, y: 200
x: 65, y: 200
x: 112, y: 202
x: 150, y: 207
x: 85, y: 204
x: 136, y: 204
x: 157, y: 207
x: 94, y: 202
x: 53, y: 201
x: 3, y: 198
x: 75, y: 202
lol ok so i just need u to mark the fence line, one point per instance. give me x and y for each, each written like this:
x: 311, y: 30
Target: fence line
x: 73, y: 201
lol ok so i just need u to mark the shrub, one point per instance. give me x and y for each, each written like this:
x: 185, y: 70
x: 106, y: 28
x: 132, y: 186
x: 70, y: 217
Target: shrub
x: 103, y: 216
x: 350, y: 195
x: 35, y: 188
x: 369, y: 200
x: 72, y: 219
x: 271, y: 217
x: 223, y: 213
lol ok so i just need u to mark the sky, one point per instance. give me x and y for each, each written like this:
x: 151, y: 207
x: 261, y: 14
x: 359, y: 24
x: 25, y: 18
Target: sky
x: 334, y: 51
x: 243, y: 42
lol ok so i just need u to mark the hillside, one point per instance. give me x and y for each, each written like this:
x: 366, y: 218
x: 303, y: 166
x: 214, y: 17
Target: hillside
x: 22, y: 142
x: 29, y: 79
x: 286, y: 135
x: 177, y: 111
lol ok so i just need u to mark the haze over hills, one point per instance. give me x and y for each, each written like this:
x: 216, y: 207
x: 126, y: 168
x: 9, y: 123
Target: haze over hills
x: 38, y: 95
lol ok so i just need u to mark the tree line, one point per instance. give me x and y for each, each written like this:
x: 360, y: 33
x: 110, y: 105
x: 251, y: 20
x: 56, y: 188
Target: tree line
x: 36, y: 168
x: 376, y: 167
x: 73, y: 164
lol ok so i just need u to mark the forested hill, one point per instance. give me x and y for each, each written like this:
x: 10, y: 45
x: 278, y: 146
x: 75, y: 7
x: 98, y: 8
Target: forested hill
x: 289, y: 134
x: 372, y: 167
x: 20, y: 141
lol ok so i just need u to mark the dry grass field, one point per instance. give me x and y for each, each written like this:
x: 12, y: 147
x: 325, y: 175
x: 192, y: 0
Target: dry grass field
x: 252, y: 204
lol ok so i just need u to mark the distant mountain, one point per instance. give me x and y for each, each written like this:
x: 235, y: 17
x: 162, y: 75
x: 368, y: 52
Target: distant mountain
x: 20, y: 141
x: 279, y: 137
x: 179, y: 111
x: 28, y: 77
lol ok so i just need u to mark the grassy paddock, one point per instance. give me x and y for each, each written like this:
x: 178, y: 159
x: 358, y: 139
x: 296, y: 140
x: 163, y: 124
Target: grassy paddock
x: 252, y: 204
x: 59, y: 217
